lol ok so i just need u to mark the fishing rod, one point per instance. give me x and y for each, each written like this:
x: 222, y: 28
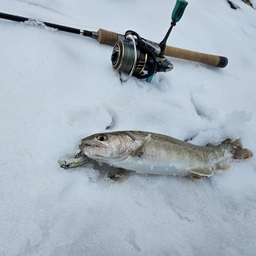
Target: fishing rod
x: 133, y: 54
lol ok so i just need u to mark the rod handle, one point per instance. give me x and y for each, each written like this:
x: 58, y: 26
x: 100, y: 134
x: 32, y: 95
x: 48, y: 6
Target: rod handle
x: 107, y: 37
x: 209, y: 59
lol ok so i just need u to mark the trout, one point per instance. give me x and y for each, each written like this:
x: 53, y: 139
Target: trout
x: 152, y: 153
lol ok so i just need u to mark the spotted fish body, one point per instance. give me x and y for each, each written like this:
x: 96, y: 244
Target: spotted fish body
x: 153, y: 153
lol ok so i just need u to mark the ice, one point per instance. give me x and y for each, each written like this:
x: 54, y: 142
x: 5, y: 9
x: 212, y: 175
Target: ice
x: 57, y: 88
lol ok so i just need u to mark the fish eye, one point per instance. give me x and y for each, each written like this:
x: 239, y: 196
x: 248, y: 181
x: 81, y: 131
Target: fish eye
x: 102, y: 137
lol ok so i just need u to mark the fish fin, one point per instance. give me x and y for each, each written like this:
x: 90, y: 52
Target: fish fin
x: 119, y: 174
x: 236, y: 143
x: 201, y: 171
x: 222, y: 166
x: 139, y: 150
x: 242, y: 153
x: 238, y: 151
x: 194, y: 176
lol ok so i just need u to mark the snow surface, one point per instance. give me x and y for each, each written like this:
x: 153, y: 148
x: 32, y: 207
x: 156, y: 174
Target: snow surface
x: 57, y: 88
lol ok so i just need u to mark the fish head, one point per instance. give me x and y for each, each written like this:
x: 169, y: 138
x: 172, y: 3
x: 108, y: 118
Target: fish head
x: 106, y: 146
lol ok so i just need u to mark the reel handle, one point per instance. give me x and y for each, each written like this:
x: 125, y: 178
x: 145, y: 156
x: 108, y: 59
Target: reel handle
x: 177, y: 13
x: 178, y: 10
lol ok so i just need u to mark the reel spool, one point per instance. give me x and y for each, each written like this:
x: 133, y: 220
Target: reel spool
x: 124, y: 57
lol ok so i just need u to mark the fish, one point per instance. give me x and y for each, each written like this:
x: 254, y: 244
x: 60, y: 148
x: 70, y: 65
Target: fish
x: 153, y: 153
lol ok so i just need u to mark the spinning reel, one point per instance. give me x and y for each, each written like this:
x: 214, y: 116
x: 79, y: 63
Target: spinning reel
x: 139, y: 57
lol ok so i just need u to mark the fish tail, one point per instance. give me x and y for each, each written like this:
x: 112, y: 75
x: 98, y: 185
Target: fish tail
x: 237, y: 149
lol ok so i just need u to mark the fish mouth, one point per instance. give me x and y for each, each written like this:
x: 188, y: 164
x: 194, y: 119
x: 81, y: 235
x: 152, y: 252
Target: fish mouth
x: 93, y: 150
x: 84, y: 145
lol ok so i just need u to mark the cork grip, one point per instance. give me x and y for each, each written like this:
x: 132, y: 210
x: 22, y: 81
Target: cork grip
x: 209, y: 59
x: 110, y: 38
x: 107, y: 37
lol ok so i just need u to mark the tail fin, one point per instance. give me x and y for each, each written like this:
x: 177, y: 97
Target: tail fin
x: 238, y: 151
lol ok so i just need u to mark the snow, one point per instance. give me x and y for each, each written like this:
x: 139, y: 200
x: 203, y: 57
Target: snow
x: 57, y: 88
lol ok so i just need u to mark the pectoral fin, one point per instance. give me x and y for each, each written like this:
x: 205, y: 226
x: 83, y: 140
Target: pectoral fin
x: 139, y: 151
x: 202, y: 171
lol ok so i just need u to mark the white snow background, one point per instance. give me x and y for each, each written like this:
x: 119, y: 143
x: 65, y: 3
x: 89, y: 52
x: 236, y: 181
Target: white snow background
x: 57, y: 88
